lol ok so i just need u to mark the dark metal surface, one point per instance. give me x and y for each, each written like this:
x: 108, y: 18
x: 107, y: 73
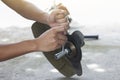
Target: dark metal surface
x: 68, y: 65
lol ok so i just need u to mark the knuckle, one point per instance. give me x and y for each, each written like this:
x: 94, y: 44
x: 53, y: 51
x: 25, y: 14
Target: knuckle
x: 53, y: 30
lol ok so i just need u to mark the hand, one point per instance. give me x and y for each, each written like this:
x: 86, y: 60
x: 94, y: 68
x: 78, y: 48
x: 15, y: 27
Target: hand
x: 51, y: 39
x: 58, y: 16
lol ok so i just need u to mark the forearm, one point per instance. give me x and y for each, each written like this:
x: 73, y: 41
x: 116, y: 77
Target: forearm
x: 16, y: 49
x: 27, y: 10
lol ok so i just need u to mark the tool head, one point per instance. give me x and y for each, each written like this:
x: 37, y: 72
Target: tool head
x: 75, y: 42
x: 68, y: 65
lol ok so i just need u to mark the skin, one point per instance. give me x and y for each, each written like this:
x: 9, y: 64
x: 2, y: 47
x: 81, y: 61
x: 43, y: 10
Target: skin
x: 54, y: 37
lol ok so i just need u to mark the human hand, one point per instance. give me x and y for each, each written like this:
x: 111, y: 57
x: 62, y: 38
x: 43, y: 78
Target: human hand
x: 51, y: 39
x: 59, y: 16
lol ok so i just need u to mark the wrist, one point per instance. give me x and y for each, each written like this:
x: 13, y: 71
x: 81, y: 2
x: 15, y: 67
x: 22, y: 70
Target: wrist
x: 31, y: 45
x: 36, y: 45
x: 44, y: 18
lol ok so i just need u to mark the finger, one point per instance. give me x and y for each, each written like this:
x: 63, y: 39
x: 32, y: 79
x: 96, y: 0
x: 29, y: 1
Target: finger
x: 61, y: 42
x: 66, y: 25
x: 58, y: 46
x: 60, y: 6
x: 61, y: 20
x: 59, y: 16
x: 57, y: 11
x: 61, y: 36
x: 63, y: 12
x: 54, y: 13
x: 64, y: 33
x: 58, y: 29
x: 55, y: 45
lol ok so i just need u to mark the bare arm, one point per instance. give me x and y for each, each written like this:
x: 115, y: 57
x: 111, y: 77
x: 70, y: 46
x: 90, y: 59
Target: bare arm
x: 13, y: 50
x: 30, y: 11
x: 52, y: 37
x: 27, y: 10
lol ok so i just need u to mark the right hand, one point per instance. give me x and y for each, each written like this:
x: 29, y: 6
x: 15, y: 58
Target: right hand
x: 51, y: 39
x: 58, y: 16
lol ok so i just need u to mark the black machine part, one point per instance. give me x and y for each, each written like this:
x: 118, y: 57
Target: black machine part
x: 77, y: 41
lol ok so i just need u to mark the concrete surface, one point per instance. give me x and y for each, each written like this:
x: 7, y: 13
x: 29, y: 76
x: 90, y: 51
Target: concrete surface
x: 101, y: 58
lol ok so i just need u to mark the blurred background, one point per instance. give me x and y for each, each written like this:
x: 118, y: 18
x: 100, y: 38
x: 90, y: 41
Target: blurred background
x: 101, y: 58
x: 86, y: 12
